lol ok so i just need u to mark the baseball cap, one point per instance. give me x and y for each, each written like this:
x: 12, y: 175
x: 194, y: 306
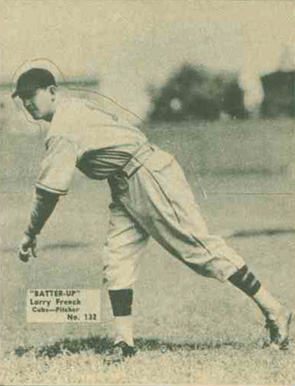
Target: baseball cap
x: 31, y: 80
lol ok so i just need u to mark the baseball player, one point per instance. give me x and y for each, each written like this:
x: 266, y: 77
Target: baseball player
x: 150, y: 198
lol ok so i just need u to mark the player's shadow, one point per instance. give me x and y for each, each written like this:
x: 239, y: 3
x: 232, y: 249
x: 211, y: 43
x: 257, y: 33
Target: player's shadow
x: 101, y: 345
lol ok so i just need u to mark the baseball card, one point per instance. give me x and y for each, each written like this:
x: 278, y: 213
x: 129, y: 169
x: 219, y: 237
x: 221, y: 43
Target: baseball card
x: 147, y: 192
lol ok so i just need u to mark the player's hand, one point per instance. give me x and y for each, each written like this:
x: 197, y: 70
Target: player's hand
x: 27, y: 248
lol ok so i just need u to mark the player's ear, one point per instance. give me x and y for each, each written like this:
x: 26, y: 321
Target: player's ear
x: 52, y: 90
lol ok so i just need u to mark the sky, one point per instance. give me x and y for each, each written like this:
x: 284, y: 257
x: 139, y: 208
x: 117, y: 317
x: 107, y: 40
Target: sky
x: 130, y: 44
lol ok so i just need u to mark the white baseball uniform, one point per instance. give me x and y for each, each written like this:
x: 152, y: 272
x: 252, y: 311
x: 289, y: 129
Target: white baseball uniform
x: 151, y: 196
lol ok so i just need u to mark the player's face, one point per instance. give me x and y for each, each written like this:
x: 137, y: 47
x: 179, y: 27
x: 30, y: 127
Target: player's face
x: 40, y: 104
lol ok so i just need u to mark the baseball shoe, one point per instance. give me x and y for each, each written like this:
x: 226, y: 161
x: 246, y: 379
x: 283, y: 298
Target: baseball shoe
x: 278, y: 328
x: 118, y: 353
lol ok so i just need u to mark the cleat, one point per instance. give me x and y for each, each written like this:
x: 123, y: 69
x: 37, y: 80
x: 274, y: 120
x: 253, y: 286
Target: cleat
x: 279, y: 331
x: 119, y: 352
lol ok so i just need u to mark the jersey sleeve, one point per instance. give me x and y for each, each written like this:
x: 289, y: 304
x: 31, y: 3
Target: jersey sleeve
x: 58, y: 167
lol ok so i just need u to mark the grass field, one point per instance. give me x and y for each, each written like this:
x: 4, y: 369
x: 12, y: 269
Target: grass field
x: 189, y: 330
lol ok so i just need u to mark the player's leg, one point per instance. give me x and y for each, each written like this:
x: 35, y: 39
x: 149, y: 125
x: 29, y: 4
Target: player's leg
x: 161, y: 200
x: 278, y: 320
x: 125, y: 244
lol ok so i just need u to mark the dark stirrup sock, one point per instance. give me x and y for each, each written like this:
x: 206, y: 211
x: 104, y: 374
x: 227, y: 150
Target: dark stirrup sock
x: 121, y: 301
x: 246, y: 281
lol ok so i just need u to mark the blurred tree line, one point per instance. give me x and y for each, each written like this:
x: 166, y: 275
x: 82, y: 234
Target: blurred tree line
x: 195, y: 92
x: 279, y: 94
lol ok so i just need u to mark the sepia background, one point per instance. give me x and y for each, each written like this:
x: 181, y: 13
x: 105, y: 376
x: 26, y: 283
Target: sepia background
x: 211, y: 82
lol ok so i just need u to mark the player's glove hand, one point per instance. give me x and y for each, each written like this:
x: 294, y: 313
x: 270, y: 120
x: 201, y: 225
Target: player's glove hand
x: 27, y: 248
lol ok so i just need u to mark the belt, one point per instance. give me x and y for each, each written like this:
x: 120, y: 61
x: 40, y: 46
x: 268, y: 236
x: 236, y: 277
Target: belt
x: 138, y: 159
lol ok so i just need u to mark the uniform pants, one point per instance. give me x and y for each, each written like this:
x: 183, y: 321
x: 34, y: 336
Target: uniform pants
x: 157, y: 201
